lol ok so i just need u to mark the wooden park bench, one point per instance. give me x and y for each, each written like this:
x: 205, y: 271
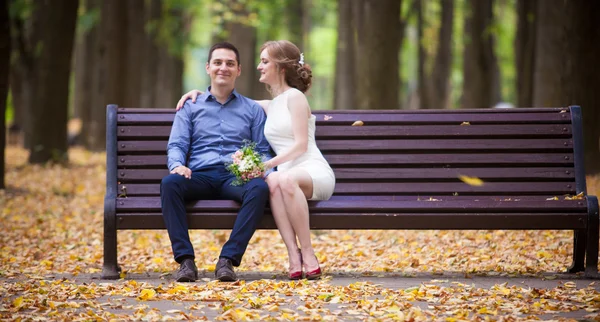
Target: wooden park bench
x: 399, y: 170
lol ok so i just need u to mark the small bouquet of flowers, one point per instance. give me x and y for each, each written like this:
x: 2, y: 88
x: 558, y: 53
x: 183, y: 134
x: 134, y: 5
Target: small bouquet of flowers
x: 246, y: 164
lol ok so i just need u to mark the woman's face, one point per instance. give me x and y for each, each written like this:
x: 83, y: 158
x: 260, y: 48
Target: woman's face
x: 268, y: 69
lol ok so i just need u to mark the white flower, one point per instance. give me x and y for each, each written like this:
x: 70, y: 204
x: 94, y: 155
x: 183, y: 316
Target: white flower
x: 301, y: 61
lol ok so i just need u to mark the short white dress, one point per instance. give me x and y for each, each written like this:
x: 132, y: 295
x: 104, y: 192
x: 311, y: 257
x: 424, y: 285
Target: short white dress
x: 278, y: 131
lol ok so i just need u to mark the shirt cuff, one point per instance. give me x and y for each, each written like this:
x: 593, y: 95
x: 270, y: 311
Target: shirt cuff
x: 175, y: 165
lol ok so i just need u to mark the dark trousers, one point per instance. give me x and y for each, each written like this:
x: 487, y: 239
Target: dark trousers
x: 212, y: 183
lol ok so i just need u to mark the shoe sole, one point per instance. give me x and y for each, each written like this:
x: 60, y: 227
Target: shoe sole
x: 314, y: 277
x: 227, y: 279
x: 186, y: 279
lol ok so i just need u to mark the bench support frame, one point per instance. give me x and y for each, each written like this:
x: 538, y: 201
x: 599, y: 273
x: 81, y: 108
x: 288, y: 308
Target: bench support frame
x: 111, y: 269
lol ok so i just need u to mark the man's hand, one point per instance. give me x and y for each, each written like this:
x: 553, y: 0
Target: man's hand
x: 191, y: 94
x: 182, y: 171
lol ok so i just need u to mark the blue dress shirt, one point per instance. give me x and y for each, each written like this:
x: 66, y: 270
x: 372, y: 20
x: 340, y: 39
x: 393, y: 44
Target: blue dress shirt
x: 210, y: 132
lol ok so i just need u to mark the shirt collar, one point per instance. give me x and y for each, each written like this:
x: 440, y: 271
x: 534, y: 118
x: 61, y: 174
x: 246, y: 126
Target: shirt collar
x: 206, y: 96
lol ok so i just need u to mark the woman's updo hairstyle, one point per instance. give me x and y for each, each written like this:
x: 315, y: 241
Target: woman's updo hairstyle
x: 288, y: 57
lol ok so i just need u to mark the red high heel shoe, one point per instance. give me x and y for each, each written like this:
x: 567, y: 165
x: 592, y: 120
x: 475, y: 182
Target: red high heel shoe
x: 294, y: 276
x: 314, y: 274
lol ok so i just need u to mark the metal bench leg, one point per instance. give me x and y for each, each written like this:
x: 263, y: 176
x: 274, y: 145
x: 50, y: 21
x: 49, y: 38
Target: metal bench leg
x: 110, y: 269
x: 591, y: 260
x: 579, y: 246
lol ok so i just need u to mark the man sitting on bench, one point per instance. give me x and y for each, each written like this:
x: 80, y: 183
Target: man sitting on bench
x: 210, y: 131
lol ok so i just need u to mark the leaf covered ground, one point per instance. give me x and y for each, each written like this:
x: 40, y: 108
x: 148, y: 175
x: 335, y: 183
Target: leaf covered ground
x: 51, y: 237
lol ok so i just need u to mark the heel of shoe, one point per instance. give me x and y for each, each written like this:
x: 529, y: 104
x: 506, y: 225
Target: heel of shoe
x: 294, y: 276
x: 314, y: 274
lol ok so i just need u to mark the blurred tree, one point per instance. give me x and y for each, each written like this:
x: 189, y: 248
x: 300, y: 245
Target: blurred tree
x: 173, y: 38
x: 20, y: 11
x: 135, y: 34
x: 481, y: 76
x: 4, y: 78
x: 567, y: 45
x: 238, y: 29
x: 238, y: 23
x: 85, y: 53
x: 434, y: 91
x: 345, y: 63
x: 525, y: 51
x: 152, y: 15
x: 109, y: 70
x: 44, y: 49
x: 296, y: 11
x: 378, y: 30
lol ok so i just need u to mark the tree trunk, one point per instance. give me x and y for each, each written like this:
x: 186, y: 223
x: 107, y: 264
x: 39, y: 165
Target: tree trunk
x: 4, y: 79
x: 170, y: 68
x: 567, y: 44
x: 110, y: 75
x: 422, y: 88
x: 295, y: 13
x: 434, y: 82
x: 345, y: 68
x: 169, y: 86
x: 22, y: 73
x: 379, y: 79
x: 306, y: 27
x: 439, y: 80
x: 244, y: 38
x: 135, y: 52
x: 85, y: 62
x: 481, y: 87
x: 17, y: 128
x: 53, y: 67
x: 525, y: 51
x: 150, y: 62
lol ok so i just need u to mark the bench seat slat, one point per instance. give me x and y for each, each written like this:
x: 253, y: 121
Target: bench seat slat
x: 388, y: 131
x: 563, y: 174
x: 416, y: 159
x: 152, y: 204
x: 438, y: 145
x: 170, y: 110
x: 413, y: 188
x: 541, y: 173
x: 421, y: 221
x: 398, y: 117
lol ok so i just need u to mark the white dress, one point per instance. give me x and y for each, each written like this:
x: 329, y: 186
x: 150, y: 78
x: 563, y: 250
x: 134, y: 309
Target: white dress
x: 278, y: 131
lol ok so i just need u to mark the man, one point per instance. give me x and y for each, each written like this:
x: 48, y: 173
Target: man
x: 209, y: 131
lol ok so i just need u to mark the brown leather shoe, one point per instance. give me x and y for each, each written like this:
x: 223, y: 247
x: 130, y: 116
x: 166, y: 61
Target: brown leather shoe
x: 187, y: 271
x: 224, y: 271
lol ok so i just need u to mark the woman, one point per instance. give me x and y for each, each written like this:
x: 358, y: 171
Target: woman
x: 302, y: 173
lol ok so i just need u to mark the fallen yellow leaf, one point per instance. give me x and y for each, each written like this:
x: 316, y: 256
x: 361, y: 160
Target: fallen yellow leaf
x: 147, y: 294
x: 471, y: 181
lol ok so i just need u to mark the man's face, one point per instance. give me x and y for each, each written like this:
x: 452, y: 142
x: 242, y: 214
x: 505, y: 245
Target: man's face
x: 223, y: 68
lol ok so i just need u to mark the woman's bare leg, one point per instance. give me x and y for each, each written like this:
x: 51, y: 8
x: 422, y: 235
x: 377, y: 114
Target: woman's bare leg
x: 296, y: 187
x: 282, y: 221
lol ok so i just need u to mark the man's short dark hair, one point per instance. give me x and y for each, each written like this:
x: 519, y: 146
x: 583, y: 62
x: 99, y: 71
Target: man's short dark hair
x: 224, y: 45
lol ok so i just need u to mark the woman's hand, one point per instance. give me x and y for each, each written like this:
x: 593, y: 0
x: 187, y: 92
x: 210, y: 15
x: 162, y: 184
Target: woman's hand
x: 191, y: 94
x: 268, y: 165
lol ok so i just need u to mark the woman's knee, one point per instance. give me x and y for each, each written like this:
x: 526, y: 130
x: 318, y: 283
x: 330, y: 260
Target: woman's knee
x: 273, y: 183
x: 288, y: 184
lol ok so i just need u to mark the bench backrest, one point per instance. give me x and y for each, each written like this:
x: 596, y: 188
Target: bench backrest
x: 425, y: 153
